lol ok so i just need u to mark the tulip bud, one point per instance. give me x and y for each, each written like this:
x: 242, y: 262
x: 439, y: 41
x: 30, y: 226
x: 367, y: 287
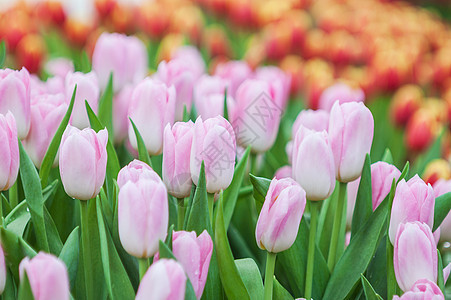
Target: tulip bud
x: 87, y: 89
x: 413, y: 201
x: 9, y: 148
x: 422, y: 289
x: 405, y: 102
x: 256, y: 115
x: 59, y: 67
x: 121, y: 102
x: 236, y: 72
x: 351, y: 129
x: 317, y: 120
x: 125, y: 56
x: 278, y: 80
x: 193, y: 56
x: 176, y: 158
x: 284, y: 172
x: 415, y: 254
x: 47, y: 111
x: 313, y: 163
x: 82, y: 161
x: 278, y: 223
x: 214, y: 144
x: 15, y: 97
x: 194, y: 254
x: 209, y: 93
x: 47, y: 275
x: 164, y: 280
x: 2, y: 270
x: 135, y: 171
x: 441, y: 187
x: 142, y: 216
x: 342, y: 92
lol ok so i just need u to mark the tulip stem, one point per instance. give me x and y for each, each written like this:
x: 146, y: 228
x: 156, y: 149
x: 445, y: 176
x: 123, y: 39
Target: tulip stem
x: 314, y: 207
x: 86, y: 247
x: 143, y: 266
x: 253, y: 164
x: 269, y: 274
x: 181, y: 213
x: 13, y: 195
x: 336, y: 227
x: 211, y: 202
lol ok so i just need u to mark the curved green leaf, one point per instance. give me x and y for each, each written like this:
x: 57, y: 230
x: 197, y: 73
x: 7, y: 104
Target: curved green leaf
x: 441, y: 209
x: 25, y: 292
x: 106, y: 108
x: 370, y: 293
x: 251, y: 277
x: 363, y: 204
x: 143, y: 155
x: 69, y: 254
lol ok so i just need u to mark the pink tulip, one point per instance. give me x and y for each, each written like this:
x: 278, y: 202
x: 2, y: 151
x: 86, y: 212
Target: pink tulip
x: 47, y: 275
x: 121, y: 102
x: 87, y: 89
x: 341, y: 92
x: 47, y: 111
x: 15, y: 97
x: 213, y: 143
x: 176, y: 158
x: 53, y: 85
x: 289, y: 151
x: 135, y: 171
x: 413, y: 201
x: 151, y: 108
x: 193, y: 253
x: 255, y: 116
x: 209, y: 96
x: 279, y: 81
x: 194, y: 58
x: 82, y: 161
x: 178, y: 73
x: 441, y: 187
x: 284, y: 172
x: 9, y: 148
x: 313, y: 163
x: 351, y: 129
x: 236, y: 72
x: 415, y: 254
x: 278, y: 223
x: 317, y: 120
x: 142, y: 216
x: 59, y: 67
x: 423, y: 289
x: 2, y: 270
x: 164, y: 280
x: 125, y: 56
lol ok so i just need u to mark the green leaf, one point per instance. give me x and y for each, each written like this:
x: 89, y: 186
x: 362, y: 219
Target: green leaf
x: 261, y: 186
x: 54, y: 239
x: 232, y: 192
x: 279, y: 292
x: 85, y: 64
x: 106, y: 108
x: 230, y: 277
x: 363, y: 204
x: 440, y: 279
x: 404, y: 172
x: 186, y: 116
x: 370, y: 293
x: 387, y: 157
x: 143, y: 155
x: 10, y: 287
x: 2, y: 53
x: 251, y: 277
x: 33, y: 194
x: 441, y: 209
x: 226, y: 110
x: 50, y: 155
x: 69, y: 254
x: 25, y: 292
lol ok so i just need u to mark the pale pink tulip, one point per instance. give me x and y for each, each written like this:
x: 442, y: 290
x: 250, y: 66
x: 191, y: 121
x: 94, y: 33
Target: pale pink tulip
x: 317, y: 120
x: 284, y: 172
x: 59, y: 67
x: 279, y: 81
x: 423, y: 289
x: 9, y: 148
x: 134, y: 171
x: 193, y: 57
x: 341, y: 92
x: 209, y: 96
x: 234, y: 71
x: 121, y: 102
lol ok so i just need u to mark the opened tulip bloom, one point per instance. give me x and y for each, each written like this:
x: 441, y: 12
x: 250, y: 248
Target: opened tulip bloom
x: 47, y: 275
x: 135, y: 171
x: 82, y: 161
x: 415, y: 254
x: 423, y: 289
x: 414, y: 201
x: 9, y: 148
x: 164, y: 280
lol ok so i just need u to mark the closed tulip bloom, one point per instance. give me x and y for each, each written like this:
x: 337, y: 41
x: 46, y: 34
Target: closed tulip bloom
x: 59, y: 67
x: 151, y: 108
x: 414, y: 254
x: 442, y: 187
x: 176, y: 158
x: 279, y: 81
x: 313, y: 163
x: 209, y: 96
x: 82, y: 161
x: 47, y: 112
x: 15, y: 97
x: 214, y: 144
x: 9, y: 148
x: 87, y: 89
x: 142, y: 216
x: 2, y: 270
x: 121, y: 102
x: 125, y: 56
x: 47, y: 275
x: 236, y: 72
x: 284, y: 172
x: 423, y: 289
x: 134, y: 171
x: 341, y: 92
x: 194, y: 58
x: 351, y: 129
x: 317, y: 120
x: 164, y: 280
x: 413, y: 201
x: 278, y: 223
x: 256, y: 115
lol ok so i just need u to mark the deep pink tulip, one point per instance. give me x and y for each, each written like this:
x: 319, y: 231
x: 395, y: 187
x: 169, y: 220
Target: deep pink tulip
x: 279, y: 81
x: 278, y: 223
x: 142, y: 216
x: 125, y: 56
x: 82, y: 161
x: 213, y: 143
x: 87, y: 89
x: 9, y: 148
x: 342, y: 92
x: 59, y: 67
x: 236, y: 72
x: 193, y: 57
x: 284, y: 172
x: 2, y: 270
x: 255, y: 115
x: 47, y: 275
x: 177, y: 144
x: 317, y: 120
x: 441, y: 187
x: 414, y: 254
x: 121, y: 102
x: 164, y: 280
x: 134, y: 171
x: 209, y: 96
x: 423, y: 289
x: 151, y: 108
x: 313, y: 163
x: 351, y: 129
x: 413, y: 201
x: 47, y: 111
x: 15, y: 97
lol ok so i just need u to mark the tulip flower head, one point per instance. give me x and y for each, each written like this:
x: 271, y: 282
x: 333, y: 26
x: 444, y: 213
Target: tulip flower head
x: 423, y: 289
x: 9, y: 162
x: 135, y: 171
x: 317, y: 120
x: 341, y: 92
